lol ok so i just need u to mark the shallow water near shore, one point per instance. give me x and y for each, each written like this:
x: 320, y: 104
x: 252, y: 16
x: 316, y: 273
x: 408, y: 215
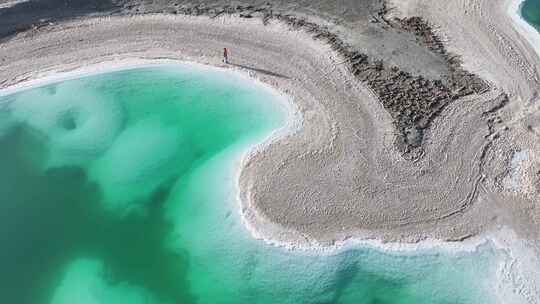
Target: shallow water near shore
x: 121, y: 188
x: 530, y: 10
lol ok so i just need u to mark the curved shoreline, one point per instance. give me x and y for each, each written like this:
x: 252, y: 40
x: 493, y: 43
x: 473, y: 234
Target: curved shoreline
x: 323, y: 135
x: 394, y: 200
x: 499, y: 240
x: 292, y: 126
x: 529, y: 32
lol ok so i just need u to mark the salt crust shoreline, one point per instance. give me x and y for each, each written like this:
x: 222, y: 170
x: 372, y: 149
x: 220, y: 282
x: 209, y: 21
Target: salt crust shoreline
x: 294, y: 121
x: 330, y: 136
x: 503, y: 239
x: 526, y: 30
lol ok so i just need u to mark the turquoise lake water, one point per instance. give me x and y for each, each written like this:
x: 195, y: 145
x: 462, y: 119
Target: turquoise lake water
x: 121, y: 188
x: 530, y: 10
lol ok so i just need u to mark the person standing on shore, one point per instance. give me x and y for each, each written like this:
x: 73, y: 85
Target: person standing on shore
x: 225, y: 55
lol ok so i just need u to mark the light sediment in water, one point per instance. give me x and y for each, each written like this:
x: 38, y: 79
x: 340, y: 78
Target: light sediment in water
x: 88, y: 165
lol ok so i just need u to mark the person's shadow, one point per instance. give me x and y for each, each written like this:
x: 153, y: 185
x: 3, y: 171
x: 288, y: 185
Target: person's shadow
x: 262, y: 71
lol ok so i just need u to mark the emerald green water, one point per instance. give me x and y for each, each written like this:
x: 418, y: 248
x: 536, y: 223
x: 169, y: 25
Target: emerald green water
x: 121, y: 188
x: 530, y: 10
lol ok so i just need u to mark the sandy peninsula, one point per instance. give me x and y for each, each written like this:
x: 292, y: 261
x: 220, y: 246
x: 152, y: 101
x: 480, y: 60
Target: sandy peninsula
x: 358, y: 160
x: 336, y: 176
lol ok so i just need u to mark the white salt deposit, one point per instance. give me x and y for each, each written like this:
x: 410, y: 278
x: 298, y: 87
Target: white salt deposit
x: 144, y: 155
x: 77, y: 123
x: 85, y: 282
